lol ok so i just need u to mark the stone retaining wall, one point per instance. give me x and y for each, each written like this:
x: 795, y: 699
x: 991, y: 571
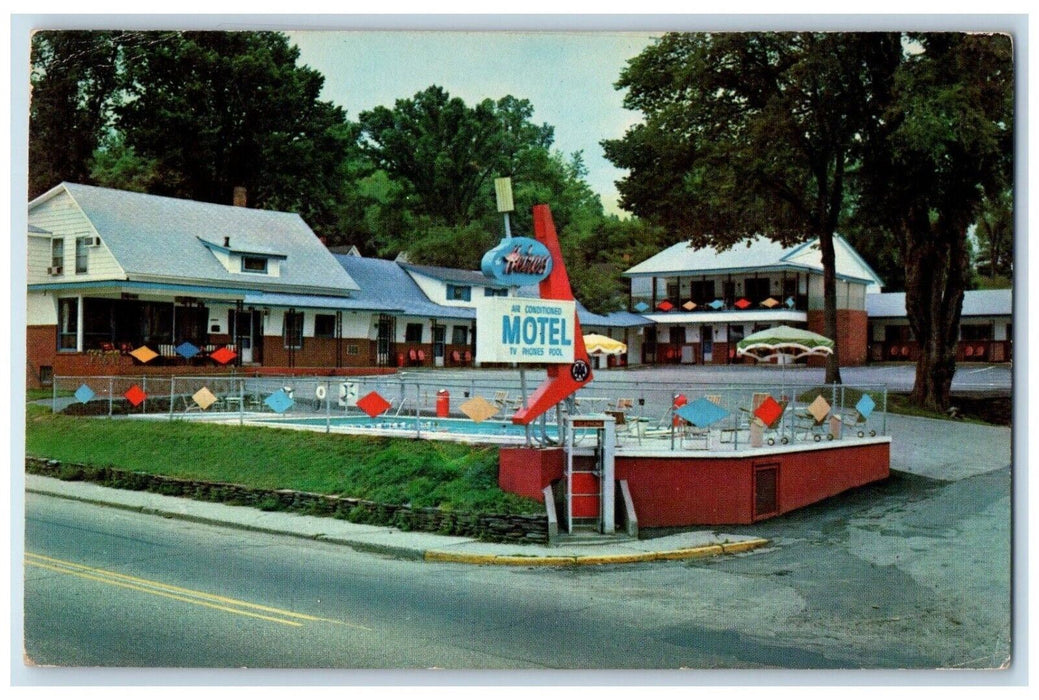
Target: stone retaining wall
x: 489, y: 527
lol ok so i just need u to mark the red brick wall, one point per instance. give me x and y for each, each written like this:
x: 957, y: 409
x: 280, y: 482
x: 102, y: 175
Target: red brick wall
x: 40, y: 350
x: 852, y: 335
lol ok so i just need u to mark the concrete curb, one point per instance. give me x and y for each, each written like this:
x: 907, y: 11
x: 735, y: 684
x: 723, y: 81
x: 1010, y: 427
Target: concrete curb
x: 710, y: 550
x: 421, y: 553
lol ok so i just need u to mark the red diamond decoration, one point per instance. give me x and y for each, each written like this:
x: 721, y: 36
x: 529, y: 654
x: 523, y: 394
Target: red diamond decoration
x: 135, y: 395
x: 373, y: 404
x: 665, y: 305
x: 742, y: 304
x: 768, y: 411
x: 223, y: 355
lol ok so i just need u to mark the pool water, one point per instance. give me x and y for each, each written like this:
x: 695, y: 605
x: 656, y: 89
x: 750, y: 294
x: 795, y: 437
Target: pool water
x: 454, y: 426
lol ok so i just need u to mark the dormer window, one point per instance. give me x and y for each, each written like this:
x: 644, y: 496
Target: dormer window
x: 254, y: 264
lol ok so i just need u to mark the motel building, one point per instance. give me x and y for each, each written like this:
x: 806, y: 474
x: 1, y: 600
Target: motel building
x: 986, y: 327
x: 702, y: 302
x: 201, y: 287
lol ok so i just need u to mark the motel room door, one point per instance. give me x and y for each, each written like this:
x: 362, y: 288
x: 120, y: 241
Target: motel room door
x: 247, y: 334
x: 707, y: 343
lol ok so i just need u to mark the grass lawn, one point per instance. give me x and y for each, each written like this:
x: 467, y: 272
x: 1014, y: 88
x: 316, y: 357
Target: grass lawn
x: 388, y: 470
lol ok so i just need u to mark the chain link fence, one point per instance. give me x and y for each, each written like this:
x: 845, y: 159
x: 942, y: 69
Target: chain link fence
x: 428, y: 404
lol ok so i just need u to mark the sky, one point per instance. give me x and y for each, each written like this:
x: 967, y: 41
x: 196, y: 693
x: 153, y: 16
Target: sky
x: 567, y: 77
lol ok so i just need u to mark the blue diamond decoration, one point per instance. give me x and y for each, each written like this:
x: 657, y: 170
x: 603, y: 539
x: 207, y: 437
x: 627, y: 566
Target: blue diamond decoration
x: 717, y: 304
x: 279, y: 401
x: 187, y: 350
x: 702, y: 412
x: 84, y: 393
x: 865, y: 406
x: 641, y: 306
x: 789, y: 302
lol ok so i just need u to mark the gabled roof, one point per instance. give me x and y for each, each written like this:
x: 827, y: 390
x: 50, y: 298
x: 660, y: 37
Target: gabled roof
x: 387, y: 282
x: 454, y: 275
x: 758, y: 254
x: 612, y: 319
x: 979, y: 302
x: 163, y: 238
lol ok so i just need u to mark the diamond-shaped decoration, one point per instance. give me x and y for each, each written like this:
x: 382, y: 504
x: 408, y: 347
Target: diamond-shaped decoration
x: 689, y: 305
x: 770, y: 303
x: 717, y: 304
x: 702, y: 412
x: 478, y: 409
x: 641, y: 307
x: 789, y: 302
x: 279, y: 401
x: 187, y: 350
x: 865, y: 406
x: 135, y: 395
x: 665, y: 305
x: 223, y: 355
x: 144, y: 354
x: 84, y: 393
x: 768, y: 411
x: 819, y: 408
x: 373, y: 403
x: 204, y: 398
x: 742, y: 303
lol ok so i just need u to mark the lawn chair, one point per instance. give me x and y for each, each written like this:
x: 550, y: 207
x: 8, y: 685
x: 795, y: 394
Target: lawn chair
x: 808, y: 426
x: 771, y: 430
x: 857, y: 422
x: 502, y: 400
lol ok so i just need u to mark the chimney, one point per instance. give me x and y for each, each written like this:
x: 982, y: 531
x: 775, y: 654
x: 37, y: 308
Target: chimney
x: 227, y: 241
x: 239, y: 196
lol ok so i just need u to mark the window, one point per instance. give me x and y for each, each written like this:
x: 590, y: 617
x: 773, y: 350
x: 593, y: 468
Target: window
x: 413, y: 333
x: 492, y: 292
x: 68, y: 323
x: 677, y: 335
x: 81, y: 255
x: 756, y: 289
x: 459, y: 292
x: 292, y: 332
x: 58, y: 252
x: 976, y: 331
x: 324, y: 326
x: 459, y: 335
x: 255, y: 264
x: 702, y: 291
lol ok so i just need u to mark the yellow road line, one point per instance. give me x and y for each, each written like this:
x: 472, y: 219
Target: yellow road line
x: 176, y: 592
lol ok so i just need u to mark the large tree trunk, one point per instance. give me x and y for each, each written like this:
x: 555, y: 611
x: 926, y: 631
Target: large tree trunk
x: 936, y: 263
x: 833, y: 362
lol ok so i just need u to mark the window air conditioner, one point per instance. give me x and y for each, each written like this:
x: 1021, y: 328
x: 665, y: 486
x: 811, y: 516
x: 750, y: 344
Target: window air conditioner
x: 93, y: 241
x: 56, y: 270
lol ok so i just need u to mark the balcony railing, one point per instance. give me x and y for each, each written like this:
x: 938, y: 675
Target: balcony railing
x: 672, y: 304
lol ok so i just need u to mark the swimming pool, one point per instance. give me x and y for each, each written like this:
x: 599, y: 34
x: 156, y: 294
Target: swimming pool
x: 425, y: 425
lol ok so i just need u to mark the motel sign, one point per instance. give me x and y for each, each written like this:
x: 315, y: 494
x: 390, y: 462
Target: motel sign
x: 530, y: 331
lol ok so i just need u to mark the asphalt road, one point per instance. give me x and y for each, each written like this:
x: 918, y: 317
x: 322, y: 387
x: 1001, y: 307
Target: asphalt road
x: 913, y: 573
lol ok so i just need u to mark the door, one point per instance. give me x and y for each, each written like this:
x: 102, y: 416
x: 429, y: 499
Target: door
x: 242, y: 334
x: 707, y: 343
x: 766, y: 490
x: 384, y: 341
x: 438, y: 346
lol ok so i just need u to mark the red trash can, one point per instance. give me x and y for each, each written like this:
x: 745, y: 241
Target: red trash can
x: 443, y: 403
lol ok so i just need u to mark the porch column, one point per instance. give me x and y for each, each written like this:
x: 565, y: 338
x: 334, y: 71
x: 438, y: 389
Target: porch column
x: 79, y: 323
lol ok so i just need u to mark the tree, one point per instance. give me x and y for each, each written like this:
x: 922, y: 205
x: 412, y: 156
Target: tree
x: 216, y: 110
x: 995, y: 234
x: 747, y: 134
x: 446, y: 154
x: 73, y: 82
x: 941, y: 143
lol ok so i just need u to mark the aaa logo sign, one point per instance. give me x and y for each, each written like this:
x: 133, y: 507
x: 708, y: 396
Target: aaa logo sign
x: 533, y: 331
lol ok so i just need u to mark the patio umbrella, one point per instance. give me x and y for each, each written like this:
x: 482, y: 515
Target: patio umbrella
x: 602, y: 345
x: 784, y: 341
